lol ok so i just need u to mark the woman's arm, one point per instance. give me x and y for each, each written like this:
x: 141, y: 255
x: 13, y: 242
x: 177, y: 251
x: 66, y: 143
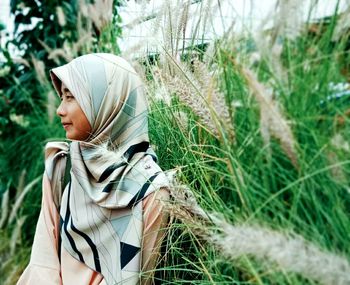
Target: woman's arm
x: 44, y: 266
x: 154, y: 229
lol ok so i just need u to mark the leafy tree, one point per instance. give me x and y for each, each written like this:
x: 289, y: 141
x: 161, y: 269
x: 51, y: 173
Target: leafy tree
x: 47, y: 33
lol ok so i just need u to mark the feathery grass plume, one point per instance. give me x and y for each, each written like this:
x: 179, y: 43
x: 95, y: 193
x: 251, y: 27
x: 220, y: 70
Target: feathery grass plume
x: 291, y: 252
x: 101, y: 13
x: 170, y: 21
x: 56, y: 54
x: 183, y: 24
x: 343, y: 24
x: 39, y: 68
x: 336, y: 170
x: 172, y: 18
x: 4, y: 207
x: 61, y: 16
x: 187, y: 87
x: 287, y: 23
x: 272, y: 122
x: 156, y: 89
x: 70, y: 51
x: 339, y: 142
x: 12, y: 276
x: 21, y: 60
x: 185, y: 206
x: 198, y: 90
x: 19, y: 120
x: 175, y: 19
x: 207, y: 9
x: 4, y: 71
x: 156, y: 17
x: 129, y: 53
x: 16, y: 234
x: 21, y: 181
x: 84, y: 24
x: 272, y: 54
x: 182, y: 119
x: 209, y: 53
x: 20, y: 199
x: 59, y: 53
x: 159, y: 93
x: 51, y: 105
x: 214, y: 97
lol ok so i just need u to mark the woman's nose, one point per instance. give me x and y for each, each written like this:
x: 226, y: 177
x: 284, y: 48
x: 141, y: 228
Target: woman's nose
x: 61, y: 110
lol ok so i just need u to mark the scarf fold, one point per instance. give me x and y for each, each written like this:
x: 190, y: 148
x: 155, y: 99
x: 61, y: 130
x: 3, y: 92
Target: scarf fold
x: 112, y: 171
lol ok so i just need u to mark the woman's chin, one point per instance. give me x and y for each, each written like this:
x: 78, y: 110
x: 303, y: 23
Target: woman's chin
x: 70, y: 136
x: 75, y: 137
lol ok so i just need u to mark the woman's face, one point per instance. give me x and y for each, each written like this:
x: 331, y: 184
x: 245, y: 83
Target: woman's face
x: 72, y: 116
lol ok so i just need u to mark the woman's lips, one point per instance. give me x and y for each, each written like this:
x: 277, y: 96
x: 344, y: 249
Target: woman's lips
x: 65, y: 126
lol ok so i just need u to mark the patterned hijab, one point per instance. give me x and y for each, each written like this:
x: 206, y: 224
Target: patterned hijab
x: 112, y: 171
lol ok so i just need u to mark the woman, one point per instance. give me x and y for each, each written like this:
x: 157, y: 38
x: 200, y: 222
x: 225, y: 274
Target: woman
x: 102, y: 225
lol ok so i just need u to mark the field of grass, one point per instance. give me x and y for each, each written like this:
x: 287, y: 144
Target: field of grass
x: 262, y: 156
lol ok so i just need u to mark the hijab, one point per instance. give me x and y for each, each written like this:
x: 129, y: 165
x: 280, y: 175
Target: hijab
x: 111, y: 171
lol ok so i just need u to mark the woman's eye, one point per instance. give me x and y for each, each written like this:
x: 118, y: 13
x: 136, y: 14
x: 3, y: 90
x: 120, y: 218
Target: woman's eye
x: 69, y: 97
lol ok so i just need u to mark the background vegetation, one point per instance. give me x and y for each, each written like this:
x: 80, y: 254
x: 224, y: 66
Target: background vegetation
x: 256, y: 127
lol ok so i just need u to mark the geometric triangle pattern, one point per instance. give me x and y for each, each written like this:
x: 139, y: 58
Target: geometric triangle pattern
x: 121, y: 224
x: 134, y: 264
x: 127, y: 253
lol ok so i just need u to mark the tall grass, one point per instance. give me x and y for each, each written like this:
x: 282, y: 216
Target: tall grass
x: 272, y: 157
x: 283, y: 171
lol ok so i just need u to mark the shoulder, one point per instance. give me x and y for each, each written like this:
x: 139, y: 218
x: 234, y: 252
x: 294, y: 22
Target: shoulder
x: 54, y: 152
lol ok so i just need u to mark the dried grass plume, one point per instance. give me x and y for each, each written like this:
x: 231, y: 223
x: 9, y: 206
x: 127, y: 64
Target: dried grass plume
x: 291, y: 252
x: 272, y: 122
